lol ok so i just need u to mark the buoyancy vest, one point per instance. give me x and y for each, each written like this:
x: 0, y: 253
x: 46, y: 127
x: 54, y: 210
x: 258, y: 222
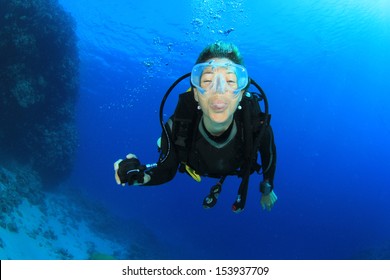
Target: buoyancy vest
x: 197, y: 155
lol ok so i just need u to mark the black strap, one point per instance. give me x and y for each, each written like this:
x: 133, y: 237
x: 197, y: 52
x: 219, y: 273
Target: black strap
x: 252, y: 119
x: 185, y: 121
x: 239, y: 204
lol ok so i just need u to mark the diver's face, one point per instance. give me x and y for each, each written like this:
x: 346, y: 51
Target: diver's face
x: 218, y: 102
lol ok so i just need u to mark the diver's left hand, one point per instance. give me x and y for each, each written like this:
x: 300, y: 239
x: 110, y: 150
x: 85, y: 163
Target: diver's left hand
x: 268, y: 201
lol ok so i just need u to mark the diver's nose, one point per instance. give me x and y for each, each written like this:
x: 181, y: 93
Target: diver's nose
x: 220, y: 84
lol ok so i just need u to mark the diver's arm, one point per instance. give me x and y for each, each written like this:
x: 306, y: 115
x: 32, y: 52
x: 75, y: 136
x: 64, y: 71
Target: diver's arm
x: 268, y: 155
x: 166, y: 170
x: 268, y: 159
x: 131, y: 171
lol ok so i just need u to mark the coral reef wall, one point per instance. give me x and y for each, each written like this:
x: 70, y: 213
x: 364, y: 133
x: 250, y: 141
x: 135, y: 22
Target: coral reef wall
x: 39, y: 67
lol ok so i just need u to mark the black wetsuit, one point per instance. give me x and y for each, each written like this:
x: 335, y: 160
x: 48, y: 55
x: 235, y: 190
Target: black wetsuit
x: 215, y: 156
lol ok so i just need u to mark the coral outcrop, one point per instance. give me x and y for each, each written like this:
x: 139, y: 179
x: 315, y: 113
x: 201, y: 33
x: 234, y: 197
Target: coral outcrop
x: 38, y: 86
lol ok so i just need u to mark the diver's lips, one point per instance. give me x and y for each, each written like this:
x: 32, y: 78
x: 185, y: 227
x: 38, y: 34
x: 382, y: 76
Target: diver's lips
x: 218, y: 106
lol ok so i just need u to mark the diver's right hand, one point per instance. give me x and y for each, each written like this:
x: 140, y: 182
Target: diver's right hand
x: 129, y: 171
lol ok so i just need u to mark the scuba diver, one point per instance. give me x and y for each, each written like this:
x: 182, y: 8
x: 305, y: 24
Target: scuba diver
x: 217, y: 130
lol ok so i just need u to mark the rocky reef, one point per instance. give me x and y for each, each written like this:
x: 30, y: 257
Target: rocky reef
x: 39, y: 67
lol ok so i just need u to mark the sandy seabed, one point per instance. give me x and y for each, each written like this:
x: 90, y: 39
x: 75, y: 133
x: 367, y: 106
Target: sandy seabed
x: 49, y: 231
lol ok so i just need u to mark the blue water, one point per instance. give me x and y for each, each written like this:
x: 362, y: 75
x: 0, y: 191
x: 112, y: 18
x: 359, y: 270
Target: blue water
x: 324, y: 66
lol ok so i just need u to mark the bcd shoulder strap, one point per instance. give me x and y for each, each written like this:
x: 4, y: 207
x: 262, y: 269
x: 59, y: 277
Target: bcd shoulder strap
x: 184, y: 123
x: 254, y: 123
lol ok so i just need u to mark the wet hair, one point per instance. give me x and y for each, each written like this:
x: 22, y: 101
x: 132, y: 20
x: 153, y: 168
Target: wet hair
x: 221, y: 49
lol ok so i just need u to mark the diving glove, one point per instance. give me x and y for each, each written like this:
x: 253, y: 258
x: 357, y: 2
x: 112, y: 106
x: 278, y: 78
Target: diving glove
x: 268, y: 197
x: 130, y: 171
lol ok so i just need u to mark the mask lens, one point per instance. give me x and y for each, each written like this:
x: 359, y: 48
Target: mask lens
x: 219, y: 77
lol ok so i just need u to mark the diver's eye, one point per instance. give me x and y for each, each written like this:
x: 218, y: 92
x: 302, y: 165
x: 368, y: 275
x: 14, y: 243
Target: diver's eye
x: 232, y: 84
x: 206, y: 79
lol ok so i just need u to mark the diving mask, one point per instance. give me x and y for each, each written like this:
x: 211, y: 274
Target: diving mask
x: 219, y: 77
